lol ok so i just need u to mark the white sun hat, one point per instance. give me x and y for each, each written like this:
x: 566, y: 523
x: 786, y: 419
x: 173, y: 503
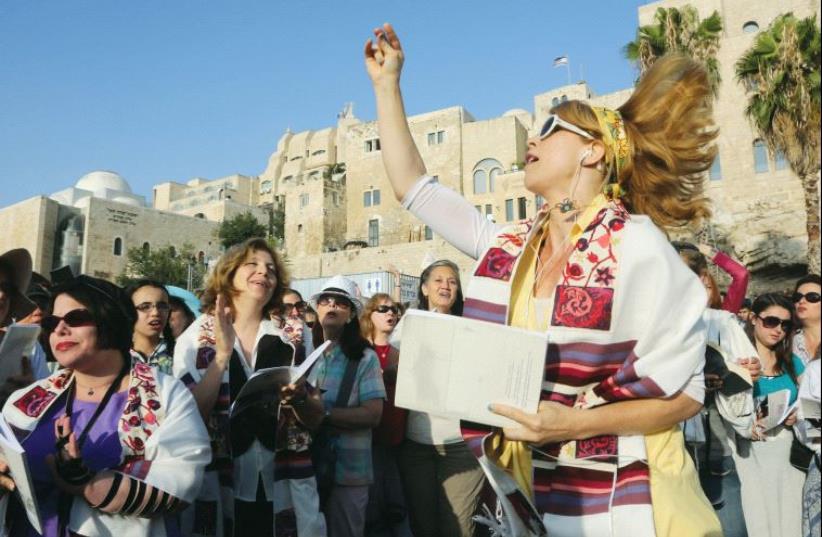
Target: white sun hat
x: 340, y: 286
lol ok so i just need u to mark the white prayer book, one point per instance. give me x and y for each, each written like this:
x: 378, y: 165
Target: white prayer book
x: 774, y: 409
x: 18, y: 341
x: 455, y: 367
x: 15, y: 456
x: 264, y: 385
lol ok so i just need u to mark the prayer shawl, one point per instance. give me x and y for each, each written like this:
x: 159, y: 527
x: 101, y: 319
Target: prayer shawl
x: 626, y: 324
x: 162, y: 435
x: 296, y: 501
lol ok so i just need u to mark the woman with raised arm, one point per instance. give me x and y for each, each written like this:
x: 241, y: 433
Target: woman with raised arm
x: 215, y: 357
x: 604, y: 455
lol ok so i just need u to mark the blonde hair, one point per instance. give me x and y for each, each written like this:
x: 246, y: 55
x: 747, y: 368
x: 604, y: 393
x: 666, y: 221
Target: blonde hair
x: 221, y: 279
x: 670, y: 129
x: 366, y: 325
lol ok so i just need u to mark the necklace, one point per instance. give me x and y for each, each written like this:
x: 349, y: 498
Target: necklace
x: 90, y: 389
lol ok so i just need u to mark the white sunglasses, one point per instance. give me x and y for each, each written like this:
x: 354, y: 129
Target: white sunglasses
x: 554, y: 122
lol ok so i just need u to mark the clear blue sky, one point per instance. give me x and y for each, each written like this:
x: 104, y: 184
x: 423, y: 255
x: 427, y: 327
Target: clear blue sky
x: 171, y: 90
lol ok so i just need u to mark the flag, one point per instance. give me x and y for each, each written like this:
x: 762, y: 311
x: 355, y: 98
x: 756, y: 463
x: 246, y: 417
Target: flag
x: 560, y: 60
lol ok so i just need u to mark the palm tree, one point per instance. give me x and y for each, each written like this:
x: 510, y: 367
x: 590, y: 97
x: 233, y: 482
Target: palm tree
x: 678, y: 30
x: 781, y: 73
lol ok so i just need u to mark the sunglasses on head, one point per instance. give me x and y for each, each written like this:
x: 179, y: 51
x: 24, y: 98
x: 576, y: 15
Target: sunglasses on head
x: 812, y: 297
x: 773, y: 322
x: 385, y: 308
x: 554, y: 122
x: 74, y: 319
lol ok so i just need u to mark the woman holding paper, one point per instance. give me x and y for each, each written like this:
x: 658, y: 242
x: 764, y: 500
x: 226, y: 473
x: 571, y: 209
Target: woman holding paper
x: 214, y: 357
x: 593, y: 270
x: 113, y: 447
x: 771, y: 486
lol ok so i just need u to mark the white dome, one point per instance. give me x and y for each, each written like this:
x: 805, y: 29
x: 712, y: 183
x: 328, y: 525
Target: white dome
x: 516, y: 112
x: 100, y: 181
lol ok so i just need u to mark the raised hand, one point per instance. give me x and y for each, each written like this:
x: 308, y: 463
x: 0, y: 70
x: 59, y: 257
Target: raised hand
x: 384, y: 59
x: 224, y: 333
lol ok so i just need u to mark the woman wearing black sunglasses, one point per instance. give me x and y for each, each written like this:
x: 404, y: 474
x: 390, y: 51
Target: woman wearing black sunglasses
x: 114, y: 447
x: 604, y: 454
x: 806, y: 297
x: 771, y: 487
x: 386, y: 505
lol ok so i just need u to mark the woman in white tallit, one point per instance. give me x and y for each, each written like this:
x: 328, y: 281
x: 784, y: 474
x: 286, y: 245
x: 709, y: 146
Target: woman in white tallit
x: 604, y: 455
x: 114, y: 448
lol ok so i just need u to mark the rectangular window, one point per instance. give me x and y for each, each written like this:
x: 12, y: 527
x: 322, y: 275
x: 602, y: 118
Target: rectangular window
x: 539, y: 201
x: 522, y: 208
x: 372, y: 145
x: 760, y: 157
x: 373, y: 232
x: 335, y: 199
x: 375, y: 197
x: 509, y: 210
x: 429, y: 233
x: 478, y: 208
x: 435, y: 178
x: 780, y: 161
x: 489, y: 210
x: 303, y: 200
x: 715, y: 173
x: 436, y: 138
x: 366, y: 198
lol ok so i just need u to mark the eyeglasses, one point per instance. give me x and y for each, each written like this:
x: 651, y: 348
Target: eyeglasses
x: 772, y: 322
x: 554, y: 122
x: 74, y: 319
x: 145, y: 307
x: 811, y: 297
x: 299, y: 306
x: 340, y: 302
x: 385, y: 308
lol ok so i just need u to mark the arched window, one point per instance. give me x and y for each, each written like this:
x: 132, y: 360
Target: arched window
x: 760, y: 157
x: 201, y: 257
x: 146, y: 247
x: 172, y: 251
x: 118, y: 246
x: 780, y: 162
x: 563, y: 98
x: 485, y: 174
x: 750, y: 27
x: 554, y: 101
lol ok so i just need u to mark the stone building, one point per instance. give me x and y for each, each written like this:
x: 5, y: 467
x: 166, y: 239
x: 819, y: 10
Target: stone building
x: 91, y: 226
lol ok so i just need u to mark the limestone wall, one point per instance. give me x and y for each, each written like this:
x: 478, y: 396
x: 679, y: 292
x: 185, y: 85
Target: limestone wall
x: 30, y: 224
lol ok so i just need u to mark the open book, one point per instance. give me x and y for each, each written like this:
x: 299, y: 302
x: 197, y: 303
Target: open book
x: 735, y: 378
x: 264, y: 385
x: 455, y: 367
x: 774, y: 409
x: 15, y: 456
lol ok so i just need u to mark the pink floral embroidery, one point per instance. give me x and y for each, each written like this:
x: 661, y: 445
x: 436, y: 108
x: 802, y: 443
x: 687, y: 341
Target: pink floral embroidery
x: 497, y: 264
x: 598, y: 446
x: 581, y: 307
x: 35, y: 401
x: 140, y: 417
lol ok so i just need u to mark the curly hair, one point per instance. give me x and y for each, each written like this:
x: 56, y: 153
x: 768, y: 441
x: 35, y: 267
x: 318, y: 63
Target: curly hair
x: 670, y: 130
x: 221, y: 278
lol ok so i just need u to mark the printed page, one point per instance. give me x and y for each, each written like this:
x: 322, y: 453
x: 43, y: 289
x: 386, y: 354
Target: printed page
x: 456, y: 367
x: 18, y: 342
x: 13, y: 454
x: 774, y: 409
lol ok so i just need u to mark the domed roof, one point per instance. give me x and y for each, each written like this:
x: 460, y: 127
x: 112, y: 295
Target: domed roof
x: 99, y: 181
x: 516, y: 112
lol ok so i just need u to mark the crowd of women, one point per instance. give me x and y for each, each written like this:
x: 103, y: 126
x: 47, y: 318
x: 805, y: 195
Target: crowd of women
x: 126, y: 410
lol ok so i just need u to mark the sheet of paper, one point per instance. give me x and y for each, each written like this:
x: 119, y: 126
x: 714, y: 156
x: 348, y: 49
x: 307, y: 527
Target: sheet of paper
x: 775, y: 409
x: 19, y: 341
x: 12, y: 452
x: 309, y: 361
x: 810, y: 408
x: 455, y: 367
